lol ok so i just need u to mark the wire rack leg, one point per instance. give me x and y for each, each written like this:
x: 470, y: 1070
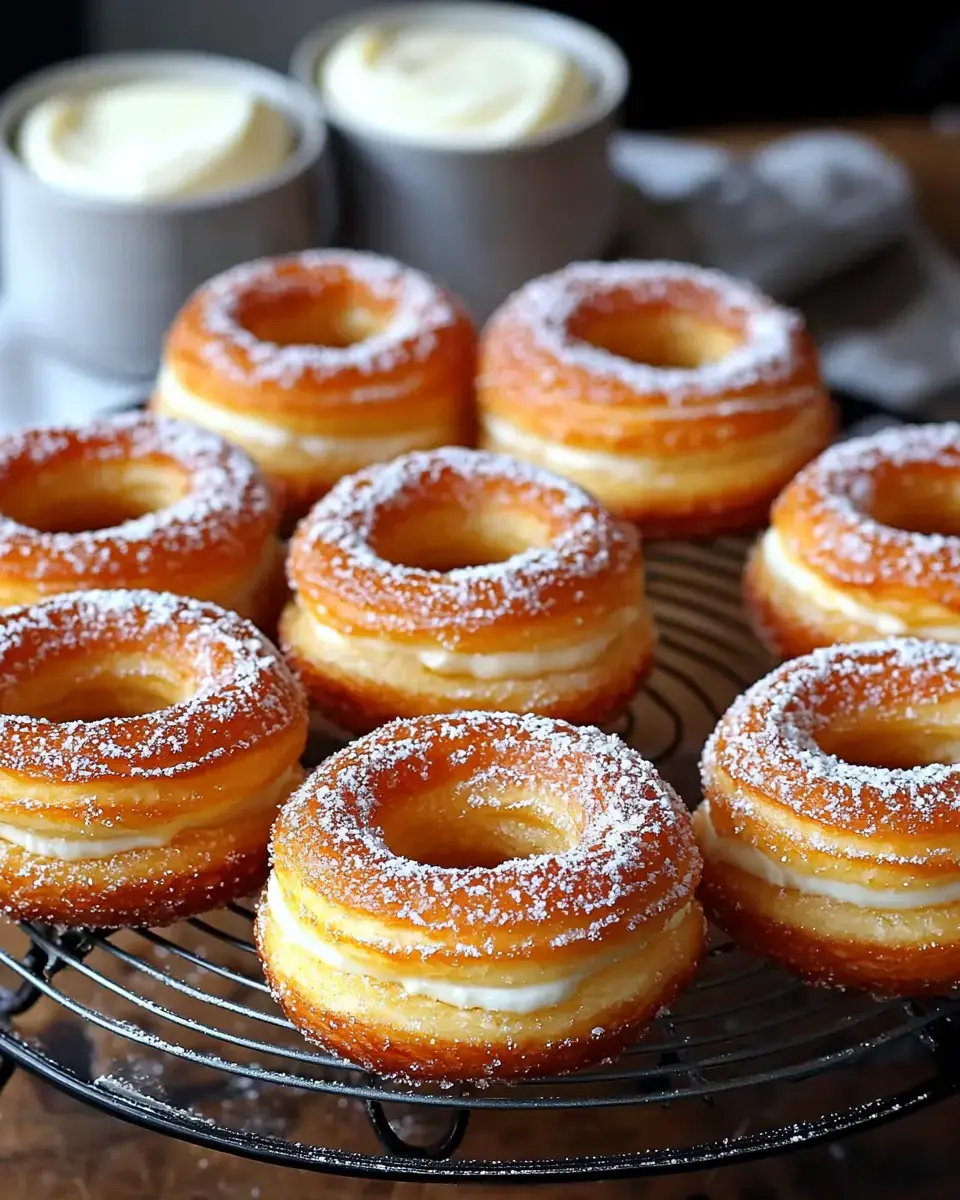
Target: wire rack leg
x: 444, y: 1147
x: 7, y: 1067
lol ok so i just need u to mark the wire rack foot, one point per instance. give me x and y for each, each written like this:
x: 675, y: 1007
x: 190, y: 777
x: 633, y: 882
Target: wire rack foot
x: 445, y: 1146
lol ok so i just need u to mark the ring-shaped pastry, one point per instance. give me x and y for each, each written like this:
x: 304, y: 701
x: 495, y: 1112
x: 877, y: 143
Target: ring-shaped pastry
x: 146, y: 743
x: 865, y: 542
x: 548, y: 615
x: 830, y: 829
x: 137, y: 502
x: 682, y: 399
x: 481, y: 894
x: 320, y: 363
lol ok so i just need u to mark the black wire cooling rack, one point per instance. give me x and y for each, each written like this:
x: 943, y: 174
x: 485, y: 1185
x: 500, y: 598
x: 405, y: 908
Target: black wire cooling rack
x: 176, y: 1031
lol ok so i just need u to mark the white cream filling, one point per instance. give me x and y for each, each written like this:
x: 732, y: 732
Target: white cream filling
x: 519, y: 999
x: 751, y: 861
x: 562, y: 458
x: 73, y: 848
x: 244, y: 428
x: 785, y: 568
x: 510, y: 664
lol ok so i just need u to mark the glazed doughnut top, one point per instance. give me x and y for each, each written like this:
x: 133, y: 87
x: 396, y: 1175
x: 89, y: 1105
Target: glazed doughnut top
x: 214, y: 324
x: 238, y: 693
x: 632, y: 857
x: 220, y: 515
x: 334, y: 556
x: 540, y: 326
x: 768, y: 741
x: 834, y: 512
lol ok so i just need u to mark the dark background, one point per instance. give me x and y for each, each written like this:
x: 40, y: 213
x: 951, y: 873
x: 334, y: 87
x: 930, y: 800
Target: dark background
x: 707, y: 67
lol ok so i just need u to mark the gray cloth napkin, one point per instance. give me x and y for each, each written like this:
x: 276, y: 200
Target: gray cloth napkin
x: 826, y: 222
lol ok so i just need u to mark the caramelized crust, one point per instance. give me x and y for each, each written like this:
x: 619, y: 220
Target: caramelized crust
x: 480, y: 895
x: 548, y: 616
x: 137, y: 502
x: 864, y: 542
x: 319, y: 364
x: 146, y: 743
x: 682, y: 399
x: 824, y: 846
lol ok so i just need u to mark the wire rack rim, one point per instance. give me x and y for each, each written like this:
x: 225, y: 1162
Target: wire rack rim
x: 188, y: 1127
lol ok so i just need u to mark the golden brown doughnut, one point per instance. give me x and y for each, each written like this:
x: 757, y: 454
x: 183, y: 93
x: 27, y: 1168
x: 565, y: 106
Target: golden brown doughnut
x: 681, y: 398
x: 453, y: 579
x: 480, y: 895
x: 863, y: 543
x: 830, y: 829
x: 146, y: 743
x: 133, y: 502
x: 319, y: 364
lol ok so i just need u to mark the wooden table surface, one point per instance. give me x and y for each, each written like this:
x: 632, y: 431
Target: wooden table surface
x: 51, y: 1148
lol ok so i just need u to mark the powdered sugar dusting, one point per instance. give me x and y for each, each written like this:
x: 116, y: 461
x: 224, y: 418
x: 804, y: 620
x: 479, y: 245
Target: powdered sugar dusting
x: 420, y: 311
x: 240, y: 693
x: 543, y: 309
x: 227, y: 507
x: 333, y: 552
x: 634, y: 858
x: 768, y: 739
x: 840, y: 491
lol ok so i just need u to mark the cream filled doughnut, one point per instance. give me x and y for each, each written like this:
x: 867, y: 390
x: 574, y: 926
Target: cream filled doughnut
x: 480, y: 894
x: 830, y: 829
x: 681, y: 398
x: 319, y: 364
x: 452, y: 579
x: 137, y: 502
x: 865, y: 542
x: 146, y: 743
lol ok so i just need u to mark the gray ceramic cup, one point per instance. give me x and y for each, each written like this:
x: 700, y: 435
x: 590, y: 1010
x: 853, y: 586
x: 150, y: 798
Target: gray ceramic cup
x: 481, y: 220
x: 98, y: 280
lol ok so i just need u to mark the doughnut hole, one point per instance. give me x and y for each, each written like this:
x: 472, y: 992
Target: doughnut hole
x: 654, y: 335
x: 448, y: 535
x: 470, y: 826
x: 916, y: 500
x: 336, y: 314
x: 893, y: 740
x: 80, y: 688
x: 77, y: 499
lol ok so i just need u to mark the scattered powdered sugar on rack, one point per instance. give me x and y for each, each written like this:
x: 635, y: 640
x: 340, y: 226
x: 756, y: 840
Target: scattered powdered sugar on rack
x: 544, y: 308
x: 243, y: 693
x: 845, y: 540
x: 420, y: 310
x: 334, y: 551
x: 634, y: 860
x: 767, y: 740
x: 227, y: 501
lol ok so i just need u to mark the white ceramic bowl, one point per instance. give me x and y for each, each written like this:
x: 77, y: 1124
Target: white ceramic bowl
x: 481, y: 220
x: 99, y: 280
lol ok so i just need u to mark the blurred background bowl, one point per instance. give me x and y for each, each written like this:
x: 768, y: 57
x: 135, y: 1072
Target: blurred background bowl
x: 483, y: 220
x: 99, y: 280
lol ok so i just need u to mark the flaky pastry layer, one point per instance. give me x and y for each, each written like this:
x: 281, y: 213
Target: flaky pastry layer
x: 681, y: 398
x: 480, y: 894
x: 860, y: 545
x: 319, y: 364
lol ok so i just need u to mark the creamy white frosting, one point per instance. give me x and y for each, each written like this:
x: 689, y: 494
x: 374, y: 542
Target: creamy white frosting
x: 70, y: 847
x: 241, y: 427
x: 510, y: 664
x: 457, y: 87
x: 785, y: 568
x: 519, y: 999
x: 154, y: 139
x: 751, y: 861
